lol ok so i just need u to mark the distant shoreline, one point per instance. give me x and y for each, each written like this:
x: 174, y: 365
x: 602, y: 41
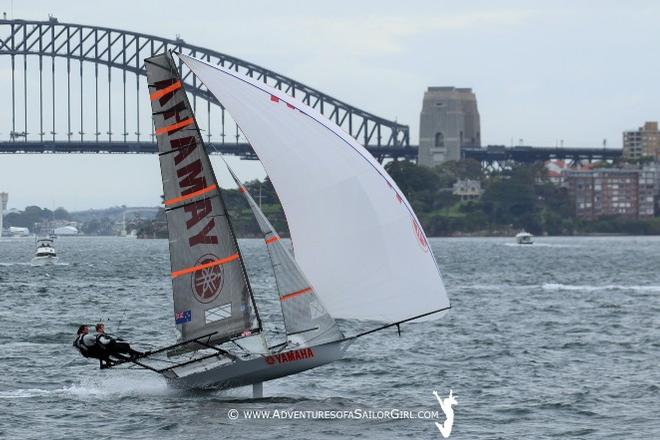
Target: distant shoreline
x: 583, y: 234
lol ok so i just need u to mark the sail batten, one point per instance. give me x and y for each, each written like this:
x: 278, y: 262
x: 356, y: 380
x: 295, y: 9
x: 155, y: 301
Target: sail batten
x: 191, y: 195
x: 356, y: 236
x: 211, y: 290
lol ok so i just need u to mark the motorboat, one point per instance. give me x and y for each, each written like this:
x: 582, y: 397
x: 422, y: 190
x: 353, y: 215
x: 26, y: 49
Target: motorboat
x: 524, y: 238
x: 45, y: 254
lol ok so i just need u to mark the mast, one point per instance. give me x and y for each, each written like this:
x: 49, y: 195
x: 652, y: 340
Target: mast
x: 211, y: 290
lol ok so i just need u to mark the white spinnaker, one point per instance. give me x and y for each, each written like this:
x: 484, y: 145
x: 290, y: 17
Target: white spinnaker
x: 355, y: 235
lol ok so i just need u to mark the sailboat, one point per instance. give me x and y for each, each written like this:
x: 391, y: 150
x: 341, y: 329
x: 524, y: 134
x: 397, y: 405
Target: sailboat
x: 124, y: 232
x: 360, y: 252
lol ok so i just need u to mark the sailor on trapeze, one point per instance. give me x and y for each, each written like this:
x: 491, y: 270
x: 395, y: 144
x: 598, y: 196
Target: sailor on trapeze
x: 102, y: 345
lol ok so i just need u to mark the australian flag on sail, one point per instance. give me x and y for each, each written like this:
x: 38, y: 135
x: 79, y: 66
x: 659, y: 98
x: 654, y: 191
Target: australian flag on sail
x: 182, y: 317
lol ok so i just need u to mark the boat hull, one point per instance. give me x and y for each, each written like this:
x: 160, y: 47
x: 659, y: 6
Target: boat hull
x: 223, y: 375
x: 43, y: 261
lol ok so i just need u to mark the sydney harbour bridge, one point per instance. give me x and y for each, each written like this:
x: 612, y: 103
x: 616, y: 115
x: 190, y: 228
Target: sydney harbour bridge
x: 82, y: 89
x: 74, y: 88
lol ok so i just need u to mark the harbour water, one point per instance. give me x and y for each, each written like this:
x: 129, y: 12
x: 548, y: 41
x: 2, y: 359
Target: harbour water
x: 560, y: 339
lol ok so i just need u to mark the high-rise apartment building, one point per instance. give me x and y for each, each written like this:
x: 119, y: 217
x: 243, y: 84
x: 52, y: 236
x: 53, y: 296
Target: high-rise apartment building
x: 611, y: 192
x: 449, y: 120
x: 649, y: 181
x: 643, y: 142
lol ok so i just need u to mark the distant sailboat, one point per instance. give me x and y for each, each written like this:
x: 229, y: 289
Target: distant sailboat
x: 124, y: 232
x: 360, y: 251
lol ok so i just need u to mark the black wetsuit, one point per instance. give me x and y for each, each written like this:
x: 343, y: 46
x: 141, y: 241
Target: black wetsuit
x: 116, y: 347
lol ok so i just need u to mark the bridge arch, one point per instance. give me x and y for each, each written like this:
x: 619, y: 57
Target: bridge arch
x: 124, y: 51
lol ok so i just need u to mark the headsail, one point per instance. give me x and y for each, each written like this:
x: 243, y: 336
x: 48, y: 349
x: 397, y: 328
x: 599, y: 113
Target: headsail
x: 306, y: 319
x: 210, y: 286
x: 356, y: 236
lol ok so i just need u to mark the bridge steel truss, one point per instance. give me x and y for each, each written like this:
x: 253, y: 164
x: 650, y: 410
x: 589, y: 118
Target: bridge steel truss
x: 125, y: 51
x: 500, y: 156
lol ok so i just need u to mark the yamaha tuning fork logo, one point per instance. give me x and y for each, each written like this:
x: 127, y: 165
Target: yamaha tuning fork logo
x: 207, y: 282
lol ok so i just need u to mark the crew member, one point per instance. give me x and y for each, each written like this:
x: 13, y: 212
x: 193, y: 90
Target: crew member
x: 113, y: 346
x: 89, y: 347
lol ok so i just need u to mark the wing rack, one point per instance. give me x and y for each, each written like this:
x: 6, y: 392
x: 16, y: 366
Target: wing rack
x: 198, y: 341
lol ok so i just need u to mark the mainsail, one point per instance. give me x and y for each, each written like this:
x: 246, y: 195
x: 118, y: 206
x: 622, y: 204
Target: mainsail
x: 210, y: 287
x: 306, y: 319
x: 356, y: 236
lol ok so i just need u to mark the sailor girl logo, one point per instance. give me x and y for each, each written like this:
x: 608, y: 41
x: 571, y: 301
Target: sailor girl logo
x: 207, y: 282
x: 446, y: 406
x: 421, y: 239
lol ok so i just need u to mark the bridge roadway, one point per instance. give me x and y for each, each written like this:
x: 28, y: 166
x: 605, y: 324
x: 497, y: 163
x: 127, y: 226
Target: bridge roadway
x: 117, y: 147
x: 486, y: 155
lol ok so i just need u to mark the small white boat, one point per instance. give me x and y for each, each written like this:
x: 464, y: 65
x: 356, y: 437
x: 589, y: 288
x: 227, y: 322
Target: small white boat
x: 45, y: 254
x: 524, y: 238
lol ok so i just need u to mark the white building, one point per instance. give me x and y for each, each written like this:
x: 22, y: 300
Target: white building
x: 19, y: 232
x: 66, y: 230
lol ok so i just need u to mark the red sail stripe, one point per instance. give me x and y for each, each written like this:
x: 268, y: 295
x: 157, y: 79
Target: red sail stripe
x: 294, y: 294
x: 217, y: 262
x: 169, y: 89
x: 174, y: 126
x: 191, y: 195
x: 272, y: 239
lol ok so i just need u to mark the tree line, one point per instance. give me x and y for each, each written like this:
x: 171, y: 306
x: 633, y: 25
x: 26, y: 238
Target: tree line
x: 513, y: 199
x: 521, y: 197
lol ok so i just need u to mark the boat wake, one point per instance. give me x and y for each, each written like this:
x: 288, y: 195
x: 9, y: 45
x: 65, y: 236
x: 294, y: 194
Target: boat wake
x: 589, y: 288
x: 95, y: 387
x: 553, y: 287
x: 24, y: 393
x: 27, y: 263
x: 543, y: 245
x: 495, y: 287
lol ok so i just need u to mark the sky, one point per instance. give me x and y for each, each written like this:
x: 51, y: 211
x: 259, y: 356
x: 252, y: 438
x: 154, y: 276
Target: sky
x: 543, y: 71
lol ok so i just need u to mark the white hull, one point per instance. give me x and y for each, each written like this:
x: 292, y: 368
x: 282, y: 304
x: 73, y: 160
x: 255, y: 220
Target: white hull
x: 222, y: 373
x: 43, y: 261
x: 524, y: 238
